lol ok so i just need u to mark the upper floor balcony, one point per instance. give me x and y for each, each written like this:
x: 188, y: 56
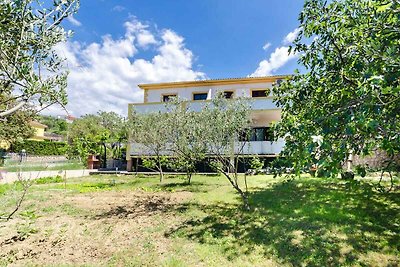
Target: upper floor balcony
x: 262, y: 103
x: 261, y: 148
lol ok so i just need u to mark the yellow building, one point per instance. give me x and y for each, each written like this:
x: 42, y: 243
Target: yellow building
x: 4, y: 144
x: 39, y: 129
x: 38, y: 134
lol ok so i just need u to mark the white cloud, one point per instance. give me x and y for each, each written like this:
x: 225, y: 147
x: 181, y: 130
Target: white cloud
x: 118, y: 8
x: 291, y: 36
x: 266, y: 46
x: 141, y: 32
x: 104, y: 75
x: 74, y: 21
x: 278, y: 58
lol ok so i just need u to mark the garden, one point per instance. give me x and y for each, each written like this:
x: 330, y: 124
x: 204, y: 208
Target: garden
x: 138, y: 221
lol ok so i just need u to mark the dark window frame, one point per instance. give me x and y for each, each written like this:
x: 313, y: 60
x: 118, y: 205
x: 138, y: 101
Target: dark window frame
x: 259, y: 93
x: 229, y: 94
x: 166, y: 98
x: 204, y: 96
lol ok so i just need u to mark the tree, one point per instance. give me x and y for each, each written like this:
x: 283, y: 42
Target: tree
x: 223, y: 124
x: 91, y: 133
x: 30, y: 69
x: 16, y: 126
x: 348, y: 100
x: 188, y: 146
x: 181, y: 138
x: 54, y: 125
x: 149, y: 134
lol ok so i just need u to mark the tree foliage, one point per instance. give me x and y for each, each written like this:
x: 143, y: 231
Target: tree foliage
x: 150, y: 136
x: 54, y: 125
x: 30, y: 69
x: 186, y: 137
x: 223, y: 124
x: 16, y: 126
x: 348, y: 100
x: 88, y: 134
x: 188, y: 146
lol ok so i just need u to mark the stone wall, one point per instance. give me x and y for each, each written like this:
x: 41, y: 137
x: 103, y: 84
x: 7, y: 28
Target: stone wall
x: 375, y: 161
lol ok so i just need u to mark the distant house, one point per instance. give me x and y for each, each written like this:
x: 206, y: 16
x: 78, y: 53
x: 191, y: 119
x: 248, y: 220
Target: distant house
x: 4, y: 145
x: 39, y: 130
x: 39, y: 134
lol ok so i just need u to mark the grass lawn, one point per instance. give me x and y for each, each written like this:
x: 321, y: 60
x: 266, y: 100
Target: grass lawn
x: 135, y: 221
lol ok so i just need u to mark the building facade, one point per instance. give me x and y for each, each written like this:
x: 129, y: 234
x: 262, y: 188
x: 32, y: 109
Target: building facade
x: 196, y: 93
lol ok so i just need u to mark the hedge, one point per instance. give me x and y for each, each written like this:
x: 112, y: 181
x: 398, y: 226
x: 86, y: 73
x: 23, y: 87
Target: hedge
x: 40, y: 148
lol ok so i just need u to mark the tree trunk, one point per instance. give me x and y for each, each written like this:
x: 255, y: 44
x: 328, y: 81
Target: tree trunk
x: 242, y: 194
x: 189, y: 177
x: 161, y: 172
x: 244, y: 197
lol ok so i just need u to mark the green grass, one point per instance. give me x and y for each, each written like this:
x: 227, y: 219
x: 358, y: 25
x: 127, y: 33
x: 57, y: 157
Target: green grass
x: 49, y: 180
x: 304, y: 222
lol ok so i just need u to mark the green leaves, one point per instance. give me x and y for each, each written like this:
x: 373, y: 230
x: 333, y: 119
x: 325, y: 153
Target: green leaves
x: 29, y: 65
x: 350, y: 92
x: 87, y: 134
x: 383, y: 8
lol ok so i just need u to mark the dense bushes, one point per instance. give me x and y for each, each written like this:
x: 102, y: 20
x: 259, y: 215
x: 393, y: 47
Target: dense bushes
x: 40, y: 148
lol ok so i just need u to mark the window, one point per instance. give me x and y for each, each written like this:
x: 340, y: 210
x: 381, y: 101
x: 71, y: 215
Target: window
x: 257, y: 134
x: 200, y: 96
x: 167, y: 98
x: 259, y: 93
x: 228, y: 94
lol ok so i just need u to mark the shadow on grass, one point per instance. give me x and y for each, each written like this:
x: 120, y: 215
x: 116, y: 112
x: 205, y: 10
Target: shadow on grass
x: 140, y: 207
x: 194, y: 187
x: 306, y: 222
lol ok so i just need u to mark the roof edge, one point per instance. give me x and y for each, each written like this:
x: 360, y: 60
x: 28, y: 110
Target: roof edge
x: 227, y: 81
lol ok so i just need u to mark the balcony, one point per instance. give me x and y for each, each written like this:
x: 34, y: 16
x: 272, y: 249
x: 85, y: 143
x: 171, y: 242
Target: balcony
x: 260, y: 147
x: 249, y: 148
x: 255, y: 104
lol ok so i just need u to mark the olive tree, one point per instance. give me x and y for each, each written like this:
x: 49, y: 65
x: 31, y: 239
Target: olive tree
x: 30, y: 69
x: 150, y: 134
x: 224, y: 122
x: 347, y: 100
x: 188, y: 147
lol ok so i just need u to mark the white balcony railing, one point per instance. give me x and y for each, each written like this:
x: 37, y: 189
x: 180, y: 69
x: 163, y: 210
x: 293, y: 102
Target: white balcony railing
x: 150, y: 108
x: 260, y: 147
x: 249, y: 148
x: 255, y: 104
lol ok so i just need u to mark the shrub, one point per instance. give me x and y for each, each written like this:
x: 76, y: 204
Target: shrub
x: 40, y: 148
x: 256, y: 164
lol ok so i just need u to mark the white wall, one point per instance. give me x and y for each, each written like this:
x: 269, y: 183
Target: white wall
x: 240, y: 90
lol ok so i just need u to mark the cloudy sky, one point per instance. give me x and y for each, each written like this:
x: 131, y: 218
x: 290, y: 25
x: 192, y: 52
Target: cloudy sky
x: 119, y: 44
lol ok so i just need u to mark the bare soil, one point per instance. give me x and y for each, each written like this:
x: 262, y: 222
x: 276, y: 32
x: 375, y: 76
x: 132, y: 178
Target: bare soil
x: 90, y: 228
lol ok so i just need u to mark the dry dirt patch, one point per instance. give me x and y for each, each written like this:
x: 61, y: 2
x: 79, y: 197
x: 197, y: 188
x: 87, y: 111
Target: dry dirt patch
x: 91, y: 228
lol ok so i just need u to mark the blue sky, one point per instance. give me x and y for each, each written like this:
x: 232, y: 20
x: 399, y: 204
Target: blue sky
x: 118, y: 44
